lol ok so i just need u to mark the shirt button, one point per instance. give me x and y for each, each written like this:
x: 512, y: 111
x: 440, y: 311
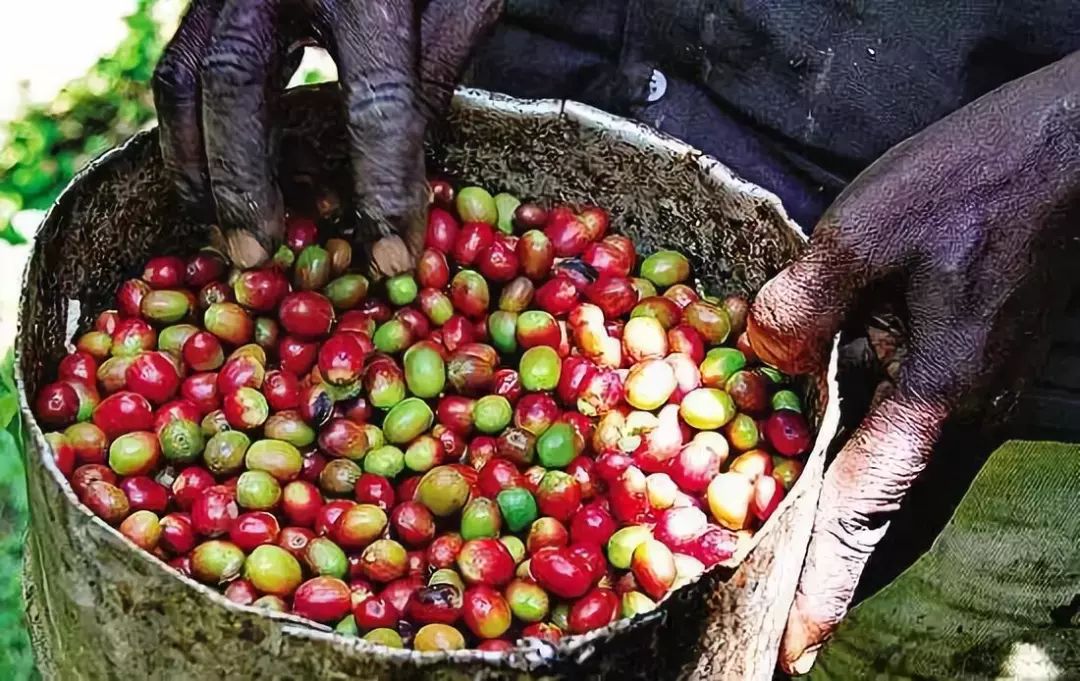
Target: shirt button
x: 657, y: 86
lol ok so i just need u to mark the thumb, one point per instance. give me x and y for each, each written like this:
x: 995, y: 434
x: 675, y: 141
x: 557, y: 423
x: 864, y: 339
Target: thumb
x: 796, y: 315
x: 868, y: 480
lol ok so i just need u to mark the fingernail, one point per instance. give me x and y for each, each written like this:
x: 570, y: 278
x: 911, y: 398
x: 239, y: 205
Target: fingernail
x: 390, y: 256
x: 217, y: 239
x: 245, y: 249
x: 761, y: 340
x: 805, y: 661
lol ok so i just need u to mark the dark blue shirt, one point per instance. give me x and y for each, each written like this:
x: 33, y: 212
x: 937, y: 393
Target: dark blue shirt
x: 795, y: 95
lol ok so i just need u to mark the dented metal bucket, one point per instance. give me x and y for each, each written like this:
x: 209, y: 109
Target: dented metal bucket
x: 100, y: 608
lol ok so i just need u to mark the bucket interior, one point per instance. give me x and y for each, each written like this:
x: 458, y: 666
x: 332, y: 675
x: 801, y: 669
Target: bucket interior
x: 659, y: 192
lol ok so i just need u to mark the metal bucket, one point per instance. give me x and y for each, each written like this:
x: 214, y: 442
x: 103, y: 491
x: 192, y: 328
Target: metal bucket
x: 100, y: 608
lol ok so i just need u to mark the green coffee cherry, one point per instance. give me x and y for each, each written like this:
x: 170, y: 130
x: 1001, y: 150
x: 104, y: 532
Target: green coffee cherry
x: 257, y: 491
x: 475, y: 204
x: 557, y: 446
x: 480, y: 518
x: 401, y: 289
x: 517, y: 507
x: 224, y: 452
x: 386, y: 461
x: 492, y: 413
x: 505, y: 205
x: 407, y: 420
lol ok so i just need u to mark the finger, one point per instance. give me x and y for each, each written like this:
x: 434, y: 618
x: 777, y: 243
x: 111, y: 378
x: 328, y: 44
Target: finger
x: 876, y: 468
x: 240, y: 69
x: 449, y: 29
x: 867, y: 481
x: 376, y: 48
x: 795, y: 316
x: 856, y: 243
x: 177, y: 99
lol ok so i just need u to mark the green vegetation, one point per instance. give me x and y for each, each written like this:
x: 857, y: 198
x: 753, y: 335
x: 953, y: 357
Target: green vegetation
x: 994, y: 597
x: 42, y: 151
x: 44, y: 148
x: 49, y: 143
x: 16, y: 661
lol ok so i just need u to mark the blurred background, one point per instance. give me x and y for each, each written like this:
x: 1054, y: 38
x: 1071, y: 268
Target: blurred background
x: 66, y: 95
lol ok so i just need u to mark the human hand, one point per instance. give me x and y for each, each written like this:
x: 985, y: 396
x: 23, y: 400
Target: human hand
x: 968, y: 224
x: 219, y: 81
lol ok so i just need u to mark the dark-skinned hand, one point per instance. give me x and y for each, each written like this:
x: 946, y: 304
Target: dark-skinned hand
x: 971, y: 225
x: 219, y: 82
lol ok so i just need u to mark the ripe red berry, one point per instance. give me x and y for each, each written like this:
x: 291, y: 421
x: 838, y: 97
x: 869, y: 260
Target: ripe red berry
x: 153, y: 376
x: 123, y: 412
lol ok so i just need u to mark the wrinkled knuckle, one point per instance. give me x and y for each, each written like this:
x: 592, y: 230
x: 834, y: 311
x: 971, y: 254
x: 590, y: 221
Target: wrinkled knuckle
x: 234, y: 205
x: 781, y: 303
x: 822, y: 612
x: 1060, y: 121
x: 928, y: 387
x: 223, y: 74
x: 769, y: 299
x: 762, y: 328
x: 438, y: 69
x: 431, y: 104
x: 903, y: 424
x: 190, y: 186
x: 947, y: 360
x: 383, y: 188
x: 231, y: 65
x: 176, y: 75
x: 856, y: 533
x: 393, y: 201
x: 368, y: 105
x: 873, y: 473
x: 791, y: 320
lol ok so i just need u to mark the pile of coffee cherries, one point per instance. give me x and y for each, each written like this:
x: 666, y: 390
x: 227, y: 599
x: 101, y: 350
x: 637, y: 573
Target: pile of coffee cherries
x: 531, y: 435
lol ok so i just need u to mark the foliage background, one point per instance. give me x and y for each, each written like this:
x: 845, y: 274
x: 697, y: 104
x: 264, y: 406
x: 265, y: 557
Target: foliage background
x: 16, y: 662
x: 48, y: 143
x: 44, y: 146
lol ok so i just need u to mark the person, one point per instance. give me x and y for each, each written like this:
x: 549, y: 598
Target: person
x: 936, y: 147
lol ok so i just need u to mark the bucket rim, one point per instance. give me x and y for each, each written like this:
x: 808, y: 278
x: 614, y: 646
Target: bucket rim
x: 525, y: 658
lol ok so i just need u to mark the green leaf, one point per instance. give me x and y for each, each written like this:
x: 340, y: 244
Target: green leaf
x: 44, y: 147
x: 9, y: 396
x: 997, y: 595
x: 11, y: 236
x: 91, y: 114
x: 16, y: 659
